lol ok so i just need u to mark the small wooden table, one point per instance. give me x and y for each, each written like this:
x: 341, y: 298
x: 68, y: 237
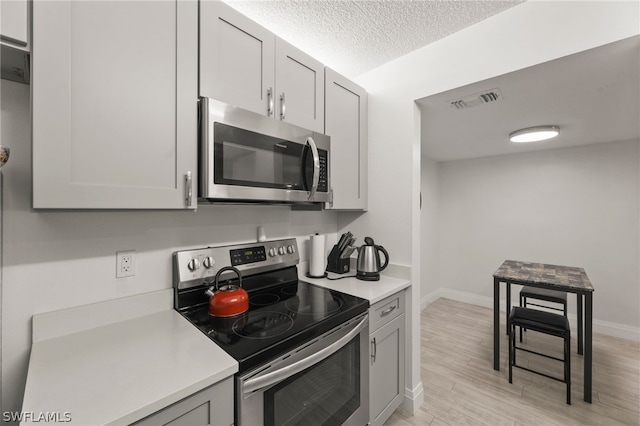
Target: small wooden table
x: 562, y: 278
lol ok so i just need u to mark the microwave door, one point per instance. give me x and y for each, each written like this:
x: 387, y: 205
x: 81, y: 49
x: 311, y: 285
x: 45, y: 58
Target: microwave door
x: 251, y: 160
x: 246, y: 157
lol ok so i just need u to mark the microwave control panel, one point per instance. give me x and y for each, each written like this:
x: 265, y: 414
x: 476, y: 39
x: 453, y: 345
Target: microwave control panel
x: 322, y: 181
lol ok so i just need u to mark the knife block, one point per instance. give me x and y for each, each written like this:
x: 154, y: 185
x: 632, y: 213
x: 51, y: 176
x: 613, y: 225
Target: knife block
x: 336, y: 264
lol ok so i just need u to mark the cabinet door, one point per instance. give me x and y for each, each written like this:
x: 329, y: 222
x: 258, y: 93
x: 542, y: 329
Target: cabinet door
x: 114, y: 104
x: 211, y: 406
x: 236, y: 58
x: 14, y: 19
x: 299, y: 87
x: 387, y: 370
x: 346, y: 124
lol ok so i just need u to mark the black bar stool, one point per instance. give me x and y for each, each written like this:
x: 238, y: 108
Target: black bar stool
x: 542, y: 322
x: 537, y: 293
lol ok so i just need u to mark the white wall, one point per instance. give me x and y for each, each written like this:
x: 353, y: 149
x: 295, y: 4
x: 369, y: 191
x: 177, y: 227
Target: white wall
x: 430, y: 236
x: 504, y: 43
x: 574, y: 206
x: 57, y: 259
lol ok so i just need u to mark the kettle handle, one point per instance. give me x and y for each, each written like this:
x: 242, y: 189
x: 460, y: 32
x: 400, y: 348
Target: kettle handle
x: 386, y: 257
x: 228, y: 268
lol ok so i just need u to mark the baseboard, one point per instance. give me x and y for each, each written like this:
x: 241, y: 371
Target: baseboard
x: 616, y: 330
x: 429, y: 299
x: 603, y: 327
x: 413, y: 399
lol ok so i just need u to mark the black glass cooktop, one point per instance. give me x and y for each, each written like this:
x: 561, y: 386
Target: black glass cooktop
x: 280, y: 318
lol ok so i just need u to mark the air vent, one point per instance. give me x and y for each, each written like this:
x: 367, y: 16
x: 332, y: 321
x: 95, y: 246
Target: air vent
x: 476, y: 99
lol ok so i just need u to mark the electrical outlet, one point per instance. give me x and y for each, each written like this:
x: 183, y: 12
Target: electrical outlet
x: 125, y: 263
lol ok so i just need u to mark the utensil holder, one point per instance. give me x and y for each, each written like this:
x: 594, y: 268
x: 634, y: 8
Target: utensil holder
x: 336, y: 264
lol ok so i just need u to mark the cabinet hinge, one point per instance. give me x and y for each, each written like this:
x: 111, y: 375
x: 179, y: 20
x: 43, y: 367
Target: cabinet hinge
x: 331, y: 197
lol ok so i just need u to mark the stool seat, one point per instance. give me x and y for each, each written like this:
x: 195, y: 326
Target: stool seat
x: 541, y: 321
x: 544, y: 294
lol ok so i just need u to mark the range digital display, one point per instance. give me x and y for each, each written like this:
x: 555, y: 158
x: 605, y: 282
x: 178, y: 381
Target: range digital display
x: 248, y: 255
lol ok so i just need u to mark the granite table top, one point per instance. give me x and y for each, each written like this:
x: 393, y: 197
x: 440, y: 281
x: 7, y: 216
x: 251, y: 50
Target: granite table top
x: 566, y: 278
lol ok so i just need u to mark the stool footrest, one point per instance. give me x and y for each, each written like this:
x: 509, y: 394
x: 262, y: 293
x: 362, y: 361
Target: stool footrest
x: 544, y: 294
x: 539, y: 373
x: 539, y: 353
x: 544, y: 306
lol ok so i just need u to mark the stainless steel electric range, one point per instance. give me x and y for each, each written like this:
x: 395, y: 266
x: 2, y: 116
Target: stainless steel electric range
x: 302, y: 349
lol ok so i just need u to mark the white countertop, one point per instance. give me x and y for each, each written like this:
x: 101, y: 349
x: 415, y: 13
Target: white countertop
x: 373, y: 291
x: 124, y: 371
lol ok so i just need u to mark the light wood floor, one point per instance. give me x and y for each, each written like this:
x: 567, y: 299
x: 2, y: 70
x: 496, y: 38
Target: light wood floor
x: 461, y: 387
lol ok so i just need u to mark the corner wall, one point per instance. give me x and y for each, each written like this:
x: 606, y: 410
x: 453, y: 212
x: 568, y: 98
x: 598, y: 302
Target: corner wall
x: 504, y: 43
x: 574, y: 206
x: 430, y: 236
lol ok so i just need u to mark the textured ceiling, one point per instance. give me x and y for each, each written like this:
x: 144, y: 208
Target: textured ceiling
x: 353, y: 37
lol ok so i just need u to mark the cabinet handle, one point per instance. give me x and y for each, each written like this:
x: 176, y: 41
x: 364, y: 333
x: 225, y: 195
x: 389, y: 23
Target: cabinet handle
x: 283, y: 108
x: 375, y: 351
x: 188, y: 188
x: 387, y: 311
x: 269, y: 102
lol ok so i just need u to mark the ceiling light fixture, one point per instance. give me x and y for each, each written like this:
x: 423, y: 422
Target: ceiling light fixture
x: 534, y: 134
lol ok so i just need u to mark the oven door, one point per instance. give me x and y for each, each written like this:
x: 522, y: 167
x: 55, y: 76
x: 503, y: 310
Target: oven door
x: 249, y: 157
x: 323, y: 382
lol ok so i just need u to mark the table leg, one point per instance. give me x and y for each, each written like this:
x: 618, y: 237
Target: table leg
x: 508, y: 309
x: 588, y: 345
x: 496, y: 324
x: 580, y: 326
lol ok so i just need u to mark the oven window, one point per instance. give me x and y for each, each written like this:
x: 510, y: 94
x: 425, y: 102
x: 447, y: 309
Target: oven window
x: 326, y: 394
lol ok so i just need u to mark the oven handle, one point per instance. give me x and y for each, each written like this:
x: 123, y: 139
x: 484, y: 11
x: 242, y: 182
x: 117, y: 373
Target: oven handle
x: 268, y: 379
x: 316, y: 167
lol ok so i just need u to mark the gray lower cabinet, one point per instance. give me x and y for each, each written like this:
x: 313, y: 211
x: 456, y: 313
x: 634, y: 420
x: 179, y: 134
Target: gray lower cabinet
x: 210, y: 406
x: 114, y: 104
x: 387, y: 329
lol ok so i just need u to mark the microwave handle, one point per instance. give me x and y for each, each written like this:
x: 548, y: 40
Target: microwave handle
x: 316, y: 167
x: 259, y: 382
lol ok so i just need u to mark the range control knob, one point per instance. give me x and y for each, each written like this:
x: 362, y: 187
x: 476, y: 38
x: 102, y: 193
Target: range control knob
x: 193, y: 264
x: 208, y: 262
x: 282, y: 250
x: 272, y: 251
x: 291, y: 249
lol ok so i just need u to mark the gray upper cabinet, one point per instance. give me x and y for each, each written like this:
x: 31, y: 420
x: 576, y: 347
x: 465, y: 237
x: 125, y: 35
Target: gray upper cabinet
x: 346, y: 123
x: 14, y: 23
x: 14, y: 40
x: 244, y: 64
x: 300, y: 87
x: 114, y: 98
x: 237, y: 59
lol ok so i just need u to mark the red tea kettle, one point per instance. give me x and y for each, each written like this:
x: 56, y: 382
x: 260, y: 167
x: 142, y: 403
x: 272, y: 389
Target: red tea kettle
x: 229, y: 299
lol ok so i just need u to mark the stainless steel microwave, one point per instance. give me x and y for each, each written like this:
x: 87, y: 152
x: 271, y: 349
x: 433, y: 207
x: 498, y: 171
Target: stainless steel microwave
x: 248, y: 157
